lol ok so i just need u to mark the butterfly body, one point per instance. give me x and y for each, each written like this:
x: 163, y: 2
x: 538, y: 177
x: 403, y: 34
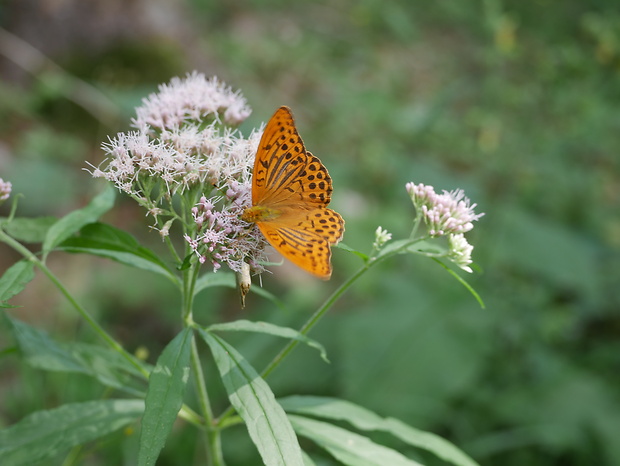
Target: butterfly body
x: 291, y: 189
x: 259, y: 213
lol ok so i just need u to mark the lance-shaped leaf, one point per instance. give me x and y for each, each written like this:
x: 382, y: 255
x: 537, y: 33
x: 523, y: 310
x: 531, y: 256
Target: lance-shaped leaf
x: 362, y: 418
x: 28, y: 230
x: 106, y: 365
x: 15, y: 279
x: 348, y: 447
x: 45, y: 434
x: 72, y: 222
x: 164, y: 397
x: 107, y: 241
x: 269, y: 329
x: 253, y: 399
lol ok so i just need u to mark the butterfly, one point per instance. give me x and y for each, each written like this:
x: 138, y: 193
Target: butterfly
x: 290, y: 193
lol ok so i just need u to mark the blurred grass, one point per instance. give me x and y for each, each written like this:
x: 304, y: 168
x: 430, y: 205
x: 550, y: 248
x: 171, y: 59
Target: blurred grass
x: 516, y: 102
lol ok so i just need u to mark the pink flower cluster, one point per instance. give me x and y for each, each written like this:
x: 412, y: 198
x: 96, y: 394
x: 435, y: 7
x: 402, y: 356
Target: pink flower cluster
x: 449, y: 214
x: 5, y: 189
x: 222, y: 237
x: 191, y: 99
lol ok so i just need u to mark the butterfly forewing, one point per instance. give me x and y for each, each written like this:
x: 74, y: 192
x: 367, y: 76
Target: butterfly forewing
x: 284, y: 172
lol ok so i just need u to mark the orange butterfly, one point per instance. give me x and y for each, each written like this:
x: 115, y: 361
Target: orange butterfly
x: 290, y: 193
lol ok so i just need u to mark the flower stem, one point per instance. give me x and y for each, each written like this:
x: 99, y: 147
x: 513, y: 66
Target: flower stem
x: 416, y: 224
x: 212, y: 438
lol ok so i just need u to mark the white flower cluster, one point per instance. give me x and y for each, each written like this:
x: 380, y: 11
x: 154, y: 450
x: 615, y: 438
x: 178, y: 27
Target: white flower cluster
x: 460, y: 251
x: 381, y: 237
x: 191, y: 99
x: 184, y: 146
x: 449, y: 214
x: 5, y: 189
x: 173, y: 143
x: 181, y: 158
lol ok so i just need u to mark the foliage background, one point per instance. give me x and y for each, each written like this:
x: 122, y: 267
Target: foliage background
x: 516, y: 102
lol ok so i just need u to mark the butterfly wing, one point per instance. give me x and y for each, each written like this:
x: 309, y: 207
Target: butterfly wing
x: 294, y: 183
x: 284, y: 172
x: 304, y: 237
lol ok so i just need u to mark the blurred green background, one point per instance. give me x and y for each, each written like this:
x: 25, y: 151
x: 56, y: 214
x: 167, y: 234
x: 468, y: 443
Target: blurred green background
x: 516, y: 102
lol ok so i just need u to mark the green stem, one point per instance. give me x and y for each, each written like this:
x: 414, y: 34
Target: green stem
x: 85, y: 315
x: 416, y: 224
x: 212, y: 439
x: 314, y: 319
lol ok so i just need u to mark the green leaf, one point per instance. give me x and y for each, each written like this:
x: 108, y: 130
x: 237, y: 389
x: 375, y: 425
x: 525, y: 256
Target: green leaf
x: 107, y: 241
x: 253, y: 399
x: 186, y: 264
x: 431, y: 248
x: 40, y: 351
x: 108, y: 366
x: 307, y: 460
x: 104, y: 364
x: 210, y: 279
x: 361, y: 418
x: 72, y: 222
x: 349, y: 249
x: 229, y: 280
x: 415, y: 246
x: 15, y: 279
x: 165, y: 396
x: 29, y: 230
x: 270, y: 329
x: 348, y: 447
x: 45, y: 434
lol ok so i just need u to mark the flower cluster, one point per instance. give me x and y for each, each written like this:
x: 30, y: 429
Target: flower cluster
x: 222, y: 237
x: 449, y: 214
x: 459, y: 251
x: 190, y: 100
x: 180, y: 158
x: 381, y: 237
x: 5, y: 189
x: 174, y: 144
x: 185, y: 145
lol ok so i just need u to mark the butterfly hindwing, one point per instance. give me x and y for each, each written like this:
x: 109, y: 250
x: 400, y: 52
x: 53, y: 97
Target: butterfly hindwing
x: 305, y: 236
